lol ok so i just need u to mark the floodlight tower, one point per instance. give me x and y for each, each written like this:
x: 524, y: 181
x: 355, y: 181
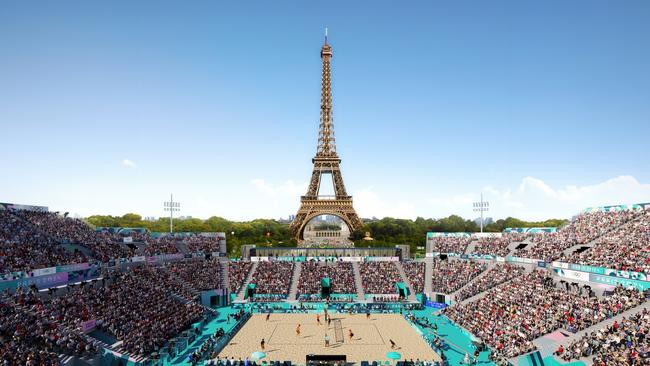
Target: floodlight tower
x: 172, y: 206
x: 481, y: 206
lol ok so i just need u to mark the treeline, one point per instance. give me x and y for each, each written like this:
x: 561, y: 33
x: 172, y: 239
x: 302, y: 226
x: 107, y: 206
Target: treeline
x: 265, y: 232
x: 259, y: 231
x: 403, y: 231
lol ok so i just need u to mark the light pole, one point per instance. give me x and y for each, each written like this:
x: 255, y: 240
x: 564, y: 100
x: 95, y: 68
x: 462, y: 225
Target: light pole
x: 172, y: 206
x: 482, y: 207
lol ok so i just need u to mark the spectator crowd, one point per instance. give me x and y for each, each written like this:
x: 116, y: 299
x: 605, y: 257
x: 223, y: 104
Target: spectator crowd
x: 624, y: 343
x: 379, y: 277
x: 497, y: 245
x: 30, y: 336
x: 135, y: 307
x: 199, y: 274
x: 415, y: 273
x: 143, y: 307
x: 510, y: 316
x: 23, y: 247
x: 341, y: 275
x: 450, y: 244
x: 102, y: 245
x: 492, y: 278
x: 34, y: 239
x: 238, y: 271
x: 273, y: 278
x: 581, y: 230
x: 450, y: 275
x: 626, y: 248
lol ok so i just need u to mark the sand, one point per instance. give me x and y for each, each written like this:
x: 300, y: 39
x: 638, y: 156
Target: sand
x: 369, y: 343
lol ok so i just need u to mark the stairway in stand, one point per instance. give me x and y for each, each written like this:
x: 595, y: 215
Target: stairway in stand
x: 242, y: 290
x: 428, y: 275
x: 472, y: 245
x: 487, y: 269
x: 182, y: 247
x: 357, y: 281
x: 405, y: 280
x: 224, y: 265
x: 297, y: 268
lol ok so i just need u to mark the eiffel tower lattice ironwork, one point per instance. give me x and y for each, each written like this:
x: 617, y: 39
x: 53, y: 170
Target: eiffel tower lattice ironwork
x: 326, y: 161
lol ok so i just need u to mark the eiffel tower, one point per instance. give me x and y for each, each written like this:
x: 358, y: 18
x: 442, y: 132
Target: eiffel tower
x: 326, y: 161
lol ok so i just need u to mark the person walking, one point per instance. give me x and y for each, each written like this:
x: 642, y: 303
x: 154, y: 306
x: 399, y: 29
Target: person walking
x: 298, y: 331
x: 327, y: 340
x: 262, y: 343
x: 392, y: 344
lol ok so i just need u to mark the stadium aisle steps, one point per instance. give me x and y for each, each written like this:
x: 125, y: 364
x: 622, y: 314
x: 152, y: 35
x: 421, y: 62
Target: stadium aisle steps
x: 106, y: 339
x: 182, y: 247
x: 357, y: 281
x: 225, y: 273
x: 482, y: 294
x: 249, y: 277
x: 428, y: 275
x: 489, y: 267
x: 470, y: 248
x: 297, y: 268
x: 405, y: 279
x: 590, y: 244
x: 547, y: 348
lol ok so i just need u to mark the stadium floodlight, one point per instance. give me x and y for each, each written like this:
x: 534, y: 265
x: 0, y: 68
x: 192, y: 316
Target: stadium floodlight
x: 481, y: 206
x: 172, y: 206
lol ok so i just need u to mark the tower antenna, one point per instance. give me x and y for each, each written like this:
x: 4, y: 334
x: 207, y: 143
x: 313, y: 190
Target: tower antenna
x: 325, y: 35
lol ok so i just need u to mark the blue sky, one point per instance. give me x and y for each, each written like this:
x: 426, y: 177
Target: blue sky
x: 107, y: 107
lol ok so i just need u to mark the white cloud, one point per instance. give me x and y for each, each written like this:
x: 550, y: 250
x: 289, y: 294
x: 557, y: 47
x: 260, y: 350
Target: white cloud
x: 288, y: 188
x: 129, y: 163
x: 283, y: 196
x: 529, y: 198
x: 368, y: 204
x: 534, y: 199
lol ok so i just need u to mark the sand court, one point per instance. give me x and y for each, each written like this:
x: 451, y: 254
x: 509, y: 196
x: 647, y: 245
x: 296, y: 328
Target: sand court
x: 370, y: 339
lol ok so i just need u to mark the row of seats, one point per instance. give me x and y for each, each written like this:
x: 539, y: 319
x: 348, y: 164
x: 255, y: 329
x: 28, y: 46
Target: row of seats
x: 30, y: 240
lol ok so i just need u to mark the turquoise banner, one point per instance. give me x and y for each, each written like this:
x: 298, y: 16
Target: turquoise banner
x: 585, y: 268
x: 530, y: 230
x: 630, y: 275
x: 288, y: 259
x: 478, y: 256
x: 634, y: 206
x: 613, y: 281
x: 454, y: 235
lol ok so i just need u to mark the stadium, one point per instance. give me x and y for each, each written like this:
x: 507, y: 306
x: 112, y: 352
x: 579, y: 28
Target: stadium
x: 319, y: 289
x: 524, y: 296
